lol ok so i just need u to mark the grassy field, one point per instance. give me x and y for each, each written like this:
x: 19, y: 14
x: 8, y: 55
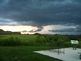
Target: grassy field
x: 33, y: 40
x: 23, y: 53
x: 22, y: 47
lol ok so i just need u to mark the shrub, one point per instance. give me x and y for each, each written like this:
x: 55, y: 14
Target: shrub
x: 11, y: 41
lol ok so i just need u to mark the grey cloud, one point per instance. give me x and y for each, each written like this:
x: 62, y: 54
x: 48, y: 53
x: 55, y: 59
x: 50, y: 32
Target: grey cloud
x: 42, y: 12
x: 66, y: 31
x: 40, y: 28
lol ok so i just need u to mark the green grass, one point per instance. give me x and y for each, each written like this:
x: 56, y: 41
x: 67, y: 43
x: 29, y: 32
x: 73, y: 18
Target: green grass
x: 22, y: 47
x: 23, y: 53
x: 33, y: 40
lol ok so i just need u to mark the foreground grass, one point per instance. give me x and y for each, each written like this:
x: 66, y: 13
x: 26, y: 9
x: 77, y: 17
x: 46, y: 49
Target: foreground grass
x: 23, y: 53
x: 27, y: 44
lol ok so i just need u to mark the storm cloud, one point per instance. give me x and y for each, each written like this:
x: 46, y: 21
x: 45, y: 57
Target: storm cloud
x: 42, y: 12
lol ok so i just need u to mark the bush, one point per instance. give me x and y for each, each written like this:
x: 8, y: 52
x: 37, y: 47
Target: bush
x: 56, y: 41
x: 11, y: 41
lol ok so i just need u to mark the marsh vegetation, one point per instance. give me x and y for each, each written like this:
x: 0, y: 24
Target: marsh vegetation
x: 21, y: 47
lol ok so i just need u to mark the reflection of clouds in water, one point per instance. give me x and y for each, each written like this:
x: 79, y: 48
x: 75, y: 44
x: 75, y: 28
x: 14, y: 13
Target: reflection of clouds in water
x: 3, y: 2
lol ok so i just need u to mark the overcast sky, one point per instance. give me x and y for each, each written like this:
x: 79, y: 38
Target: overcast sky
x: 49, y: 16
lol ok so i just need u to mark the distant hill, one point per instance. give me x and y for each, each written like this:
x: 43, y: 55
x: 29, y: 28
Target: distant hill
x: 2, y: 32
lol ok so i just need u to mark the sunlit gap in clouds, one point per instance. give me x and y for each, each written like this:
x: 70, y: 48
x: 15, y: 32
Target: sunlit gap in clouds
x: 59, y: 29
x: 11, y: 25
x: 47, y: 29
x: 19, y: 28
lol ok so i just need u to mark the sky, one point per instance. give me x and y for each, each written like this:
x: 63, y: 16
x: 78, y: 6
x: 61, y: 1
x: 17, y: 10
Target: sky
x: 43, y: 16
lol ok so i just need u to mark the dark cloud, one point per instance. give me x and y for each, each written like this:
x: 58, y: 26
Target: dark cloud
x: 38, y: 30
x: 63, y: 30
x: 67, y: 31
x: 42, y: 12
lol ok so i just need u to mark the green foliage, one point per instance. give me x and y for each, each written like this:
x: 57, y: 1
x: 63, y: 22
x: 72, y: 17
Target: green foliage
x: 23, y: 53
x: 22, y: 50
x: 10, y: 41
x: 56, y: 41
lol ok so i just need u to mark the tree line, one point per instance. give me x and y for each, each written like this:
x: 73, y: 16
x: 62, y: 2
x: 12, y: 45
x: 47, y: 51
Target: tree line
x: 2, y: 32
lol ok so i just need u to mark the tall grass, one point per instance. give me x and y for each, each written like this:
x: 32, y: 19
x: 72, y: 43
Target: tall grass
x: 10, y: 41
x: 36, y: 40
